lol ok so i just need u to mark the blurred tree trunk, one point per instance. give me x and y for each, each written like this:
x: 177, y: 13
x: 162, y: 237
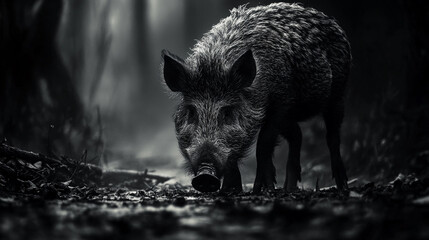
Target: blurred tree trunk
x: 146, y: 67
x: 36, y: 88
x: 50, y: 65
x: 75, y: 35
x: 140, y: 22
x: 417, y: 105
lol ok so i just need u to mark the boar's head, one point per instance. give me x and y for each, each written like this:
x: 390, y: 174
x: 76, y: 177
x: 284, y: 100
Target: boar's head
x: 217, y: 119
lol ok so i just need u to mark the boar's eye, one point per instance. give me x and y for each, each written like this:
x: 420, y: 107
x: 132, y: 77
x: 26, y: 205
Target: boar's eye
x: 226, y: 116
x: 192, y: 115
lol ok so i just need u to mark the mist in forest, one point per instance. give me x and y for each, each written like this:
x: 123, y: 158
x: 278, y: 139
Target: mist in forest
x: 86, y: 75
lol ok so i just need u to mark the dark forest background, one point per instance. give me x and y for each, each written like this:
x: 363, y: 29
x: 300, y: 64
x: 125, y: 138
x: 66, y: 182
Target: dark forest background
x: 81, y: 75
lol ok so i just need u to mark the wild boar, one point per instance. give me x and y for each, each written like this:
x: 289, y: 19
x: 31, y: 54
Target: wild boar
x: 261, y: 70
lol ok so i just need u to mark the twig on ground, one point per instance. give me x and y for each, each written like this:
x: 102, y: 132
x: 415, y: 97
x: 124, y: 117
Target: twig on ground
x: 79, y: 171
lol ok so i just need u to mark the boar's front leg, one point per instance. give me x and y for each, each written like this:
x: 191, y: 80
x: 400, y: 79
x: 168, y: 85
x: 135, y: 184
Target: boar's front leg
x: 232, y: 179
x: 292, y: 133
x: 265, y: 170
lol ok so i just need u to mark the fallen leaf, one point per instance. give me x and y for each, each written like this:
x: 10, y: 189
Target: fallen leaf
x: 29, y: 165
x: 422, y: 200
x: 355, y: 194
x: 32, y: 185
x: 38, y: 164
x: 67, y: 182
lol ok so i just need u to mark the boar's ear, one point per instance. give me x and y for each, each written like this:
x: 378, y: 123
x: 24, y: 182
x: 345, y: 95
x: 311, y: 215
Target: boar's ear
x: 244, y: 69
x: 174, y: 70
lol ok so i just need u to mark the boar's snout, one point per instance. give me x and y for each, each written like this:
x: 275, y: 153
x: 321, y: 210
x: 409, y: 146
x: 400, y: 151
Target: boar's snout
x: 207, y: 173
x: 206, y: 179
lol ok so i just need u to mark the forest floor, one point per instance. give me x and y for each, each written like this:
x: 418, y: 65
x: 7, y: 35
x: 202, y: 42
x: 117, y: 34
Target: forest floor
x: 398, y: 210
x: 58, y: 198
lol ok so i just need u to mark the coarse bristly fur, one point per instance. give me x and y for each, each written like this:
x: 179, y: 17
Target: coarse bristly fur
x: 301, y: 58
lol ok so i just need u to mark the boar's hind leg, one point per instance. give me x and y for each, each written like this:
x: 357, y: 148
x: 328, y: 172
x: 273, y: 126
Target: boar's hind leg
x: 265, y: 170
x: 333, y: 118
x: 292, y: 133
x: 232, y: 179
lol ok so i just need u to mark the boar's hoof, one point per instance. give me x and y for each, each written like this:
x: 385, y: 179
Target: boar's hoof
x: 206, y: 180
